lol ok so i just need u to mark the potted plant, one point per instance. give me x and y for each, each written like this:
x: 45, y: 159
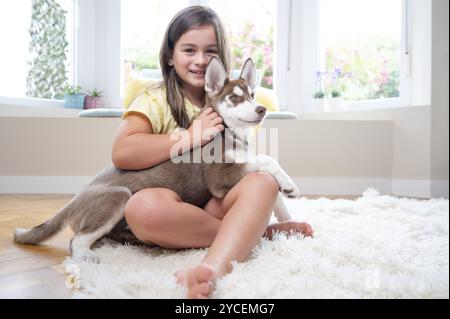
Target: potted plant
x: 320, y: 103
x: 337, y: 85
x: 335, y: 101
x: 73, y: 97
x: 93, y: 99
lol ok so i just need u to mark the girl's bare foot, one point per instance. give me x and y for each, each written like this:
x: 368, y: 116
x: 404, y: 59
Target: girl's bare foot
x: 290, y: 227
x: 199, y: 280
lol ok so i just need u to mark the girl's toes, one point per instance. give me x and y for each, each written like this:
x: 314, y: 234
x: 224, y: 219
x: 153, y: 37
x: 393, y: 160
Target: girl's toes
x: 194, y: 292
x: 202, y: 291
x: 308, y: 230
x: 205, y: 288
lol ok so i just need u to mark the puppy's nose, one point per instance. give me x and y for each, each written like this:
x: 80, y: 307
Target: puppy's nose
x: 260, y: 110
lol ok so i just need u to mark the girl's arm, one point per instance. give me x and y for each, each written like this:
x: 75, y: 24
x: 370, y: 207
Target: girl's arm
x: 136, y: 147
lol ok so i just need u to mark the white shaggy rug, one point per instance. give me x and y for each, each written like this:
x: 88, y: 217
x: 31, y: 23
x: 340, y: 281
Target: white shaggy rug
x: 373, y: 247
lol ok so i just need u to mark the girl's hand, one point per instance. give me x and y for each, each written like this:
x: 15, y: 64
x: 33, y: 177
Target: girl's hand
x: 205, y: 127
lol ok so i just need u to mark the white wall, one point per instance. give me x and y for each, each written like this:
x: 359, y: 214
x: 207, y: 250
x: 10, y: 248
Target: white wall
x: 439, y: 98
x: 410, y: 162
x: 61, y: 154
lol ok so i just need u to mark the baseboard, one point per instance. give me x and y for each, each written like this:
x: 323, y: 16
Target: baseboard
x: 439, y: 189
x: 356, y: 186
x: 413, y: 188
x: 341, y: 185
x: 307, y: 185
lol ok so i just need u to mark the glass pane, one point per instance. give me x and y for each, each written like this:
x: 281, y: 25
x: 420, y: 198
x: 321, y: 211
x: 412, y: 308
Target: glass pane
x: 36, y: 60
x: 143, y: 26
x: 250, y: 27
x: 360, y: 48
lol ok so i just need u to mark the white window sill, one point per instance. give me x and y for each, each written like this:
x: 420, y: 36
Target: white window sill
x: 36, y: 111
x: 51, y: 111
x: 366, y: 105
x: 370, y: 105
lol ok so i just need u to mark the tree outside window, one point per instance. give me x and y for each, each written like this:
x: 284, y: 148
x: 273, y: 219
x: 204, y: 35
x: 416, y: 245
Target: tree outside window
x: 362, y: 40
x: 250, y: 30
x: 48, y: 47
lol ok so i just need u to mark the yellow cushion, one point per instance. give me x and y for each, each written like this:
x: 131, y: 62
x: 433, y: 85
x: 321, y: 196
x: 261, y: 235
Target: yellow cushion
x: 135, y: 87
x: 263, y: 96
x: 267, y: 98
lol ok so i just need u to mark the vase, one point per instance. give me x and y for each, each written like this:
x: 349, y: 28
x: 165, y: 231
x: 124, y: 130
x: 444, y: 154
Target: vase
x: 320, y: 105
x: 93, y: 102
x: 335, y: 104
x: 74, y: 101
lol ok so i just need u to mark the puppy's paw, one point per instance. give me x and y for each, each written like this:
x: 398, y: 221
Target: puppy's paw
x: 219, y: 193
x: 91, y: 259
x: 282, y: 215
x: 87, y: 257
x: 290, y: 190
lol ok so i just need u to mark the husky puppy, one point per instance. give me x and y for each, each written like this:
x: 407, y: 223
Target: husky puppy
x: 99, y: 207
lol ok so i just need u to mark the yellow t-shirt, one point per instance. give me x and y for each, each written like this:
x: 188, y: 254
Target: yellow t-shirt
x: 153, y: 104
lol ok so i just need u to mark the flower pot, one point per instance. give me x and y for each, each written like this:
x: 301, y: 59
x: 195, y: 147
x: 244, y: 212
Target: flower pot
x: 75, y: 101
x: 335, y: 104
x: 93, y: 102
x: 320, y: 105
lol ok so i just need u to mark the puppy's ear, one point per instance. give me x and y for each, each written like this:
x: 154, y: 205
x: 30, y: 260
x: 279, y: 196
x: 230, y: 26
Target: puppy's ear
x: 215, y: 77
x: 249, y: 73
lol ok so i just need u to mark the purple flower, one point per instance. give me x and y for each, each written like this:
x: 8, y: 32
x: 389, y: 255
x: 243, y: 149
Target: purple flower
x: 337, y: 73
x: 321, y: 75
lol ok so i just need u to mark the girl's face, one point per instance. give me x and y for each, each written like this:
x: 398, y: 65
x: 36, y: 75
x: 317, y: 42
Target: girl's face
x: 191, y: 55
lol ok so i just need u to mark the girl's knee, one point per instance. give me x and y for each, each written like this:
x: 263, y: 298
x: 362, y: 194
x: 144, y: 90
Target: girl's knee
x: 147, y: 210
x: 261, y: 182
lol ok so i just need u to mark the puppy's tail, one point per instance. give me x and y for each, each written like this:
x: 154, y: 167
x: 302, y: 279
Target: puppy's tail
x: 45, y: 230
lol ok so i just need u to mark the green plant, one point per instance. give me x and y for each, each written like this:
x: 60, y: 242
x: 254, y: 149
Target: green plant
x: 335, y: 93
x: 47, y: 70
x: 319, y: 95
x: 72, y: 90
x: 95, y: 93
x: 373, y: 63
x: 328, y: 83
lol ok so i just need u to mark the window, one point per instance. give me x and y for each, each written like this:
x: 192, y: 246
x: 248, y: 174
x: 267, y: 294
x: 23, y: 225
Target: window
x: 250, y: 29
x: 143, y: 26
x: 360, y: 48
x: 29, y: 67
x: 375, y: 53
x: 381, y: 47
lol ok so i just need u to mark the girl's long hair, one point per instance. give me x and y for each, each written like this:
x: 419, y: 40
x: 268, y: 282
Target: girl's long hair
x: 183, y: 21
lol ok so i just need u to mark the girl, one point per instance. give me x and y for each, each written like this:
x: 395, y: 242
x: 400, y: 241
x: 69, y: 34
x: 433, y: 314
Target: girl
x: 230, y: 226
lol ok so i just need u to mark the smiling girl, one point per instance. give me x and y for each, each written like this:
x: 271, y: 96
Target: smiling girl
x: 230, y: 226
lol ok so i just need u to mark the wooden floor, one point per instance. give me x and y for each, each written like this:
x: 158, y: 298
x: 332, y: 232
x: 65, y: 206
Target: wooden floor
x: 32, y: 271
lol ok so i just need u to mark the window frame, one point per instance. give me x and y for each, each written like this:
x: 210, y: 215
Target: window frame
x: 298, y: 32
x: 98, y: 48
x: 39, y: 102
x: 96, y: 54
